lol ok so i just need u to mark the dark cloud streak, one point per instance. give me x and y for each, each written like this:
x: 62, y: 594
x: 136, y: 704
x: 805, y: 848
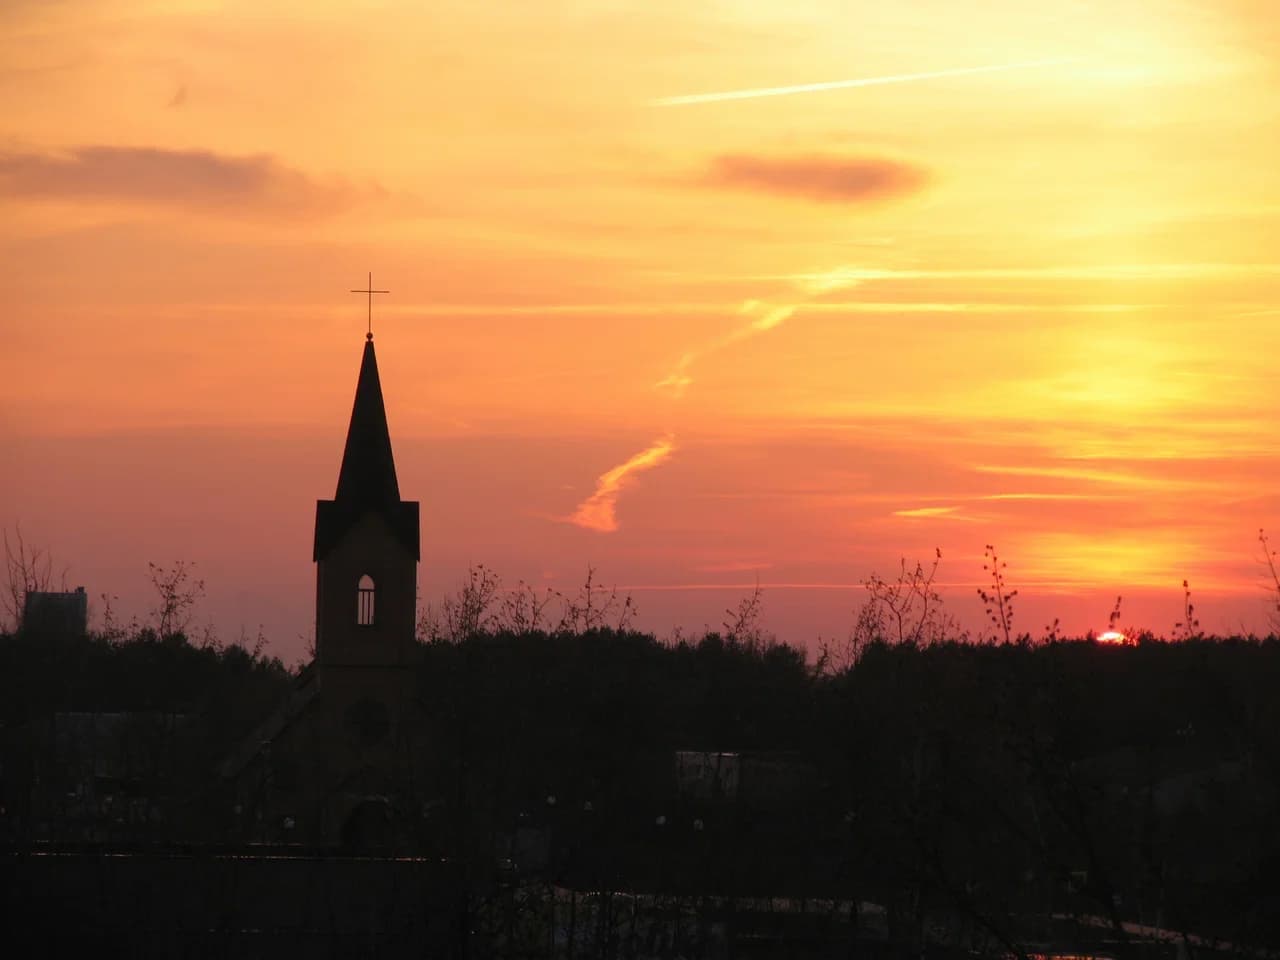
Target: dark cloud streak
x: 184, y: 179
x: 831, y: 179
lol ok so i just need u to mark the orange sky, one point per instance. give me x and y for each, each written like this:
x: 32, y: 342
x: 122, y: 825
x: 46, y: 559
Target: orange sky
x: 788, y: 337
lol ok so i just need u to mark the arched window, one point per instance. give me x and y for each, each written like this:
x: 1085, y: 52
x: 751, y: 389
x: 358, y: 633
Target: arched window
x: 364, y: 601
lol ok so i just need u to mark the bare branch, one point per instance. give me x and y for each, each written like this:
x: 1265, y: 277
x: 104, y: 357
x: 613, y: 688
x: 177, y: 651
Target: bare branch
x: 179, y: 592
x: 465, y: 613
x: 28, y: 570
x: 998, y: 600
x: 744, y: 624
x: 1269, y: 556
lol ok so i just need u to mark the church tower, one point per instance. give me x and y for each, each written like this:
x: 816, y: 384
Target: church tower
x: 366, y: 547
x: 341, y: 760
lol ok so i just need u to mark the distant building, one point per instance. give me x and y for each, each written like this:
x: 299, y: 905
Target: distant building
x: 63, y: 613
x: 707, y: 776
x: 109, y: 774
x: 758, y: 779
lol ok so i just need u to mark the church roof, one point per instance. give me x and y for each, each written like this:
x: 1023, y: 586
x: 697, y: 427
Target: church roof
x: 367, y: 479
x: 368, y: 474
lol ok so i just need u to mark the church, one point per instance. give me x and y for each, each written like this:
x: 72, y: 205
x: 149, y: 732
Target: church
x: 342, y: 761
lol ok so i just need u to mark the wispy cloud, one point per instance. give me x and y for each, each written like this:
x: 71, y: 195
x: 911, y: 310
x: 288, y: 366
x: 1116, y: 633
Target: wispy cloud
x: 597, y: 512
x: 1153, y: 478
x: 818, y: 177
x: 761, y: 316
x: 665, y: 308
x: 1110, y: 271
x: 200, y: 179
x: 735, y: 566
x: 678, y: 380
x: 768, y: 316
x: 1065, y: 497
x: 920, y: 513
x: 691, y: 99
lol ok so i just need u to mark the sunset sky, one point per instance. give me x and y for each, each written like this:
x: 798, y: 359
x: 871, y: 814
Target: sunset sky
x: 1021, y: 289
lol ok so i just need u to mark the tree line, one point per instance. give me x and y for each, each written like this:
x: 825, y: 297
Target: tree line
x: 988, y: 784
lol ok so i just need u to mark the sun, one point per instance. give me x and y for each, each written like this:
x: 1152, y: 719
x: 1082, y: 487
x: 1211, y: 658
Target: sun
x: 1115, y: 637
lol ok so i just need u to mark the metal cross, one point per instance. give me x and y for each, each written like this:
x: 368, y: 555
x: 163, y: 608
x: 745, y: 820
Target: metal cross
x: 370, y: 291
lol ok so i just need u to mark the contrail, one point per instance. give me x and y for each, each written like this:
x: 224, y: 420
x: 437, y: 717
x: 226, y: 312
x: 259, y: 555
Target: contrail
x: 847, y: 84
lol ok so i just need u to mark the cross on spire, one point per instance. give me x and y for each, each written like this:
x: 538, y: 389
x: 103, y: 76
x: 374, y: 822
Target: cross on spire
x: 370, y: 291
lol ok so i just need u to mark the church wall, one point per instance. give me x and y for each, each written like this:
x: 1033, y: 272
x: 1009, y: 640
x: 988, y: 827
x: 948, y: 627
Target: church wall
x: 367, y: 548
x: 357, y: 742
x: 361, y: 742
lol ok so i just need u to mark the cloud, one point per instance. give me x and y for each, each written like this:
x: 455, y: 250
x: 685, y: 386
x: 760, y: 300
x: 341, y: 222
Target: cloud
x: 752, y: 94
x: 772, y: 317
x: 1119, y: 478
x: 735, y: 566
x: 678, y: 380
x: 763, y: 316
x: 597, y: 511
x: 924, y: 512
x: 831, y: 179
x: 186, y: 179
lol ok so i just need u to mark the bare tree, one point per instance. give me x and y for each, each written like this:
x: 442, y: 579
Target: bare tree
x: 481, y: 605
x: 1273, y: 588
x: 1113, y: 618
x: 465, y: 613
x: 113, y: 630
x: 29, y: 570
x: 907, y: 609
x: 523, y: 610
x: 998, y: 599
x: 178, y: 593
x: 1188, y: 626
x: 745, y: 626
x: 594, y: 608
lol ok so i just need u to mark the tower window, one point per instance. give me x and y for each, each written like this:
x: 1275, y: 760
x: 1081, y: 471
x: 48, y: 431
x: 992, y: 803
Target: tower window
x: 364, y: 601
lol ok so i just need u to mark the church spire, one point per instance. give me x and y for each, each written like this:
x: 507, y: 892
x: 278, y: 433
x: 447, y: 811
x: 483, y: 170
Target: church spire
x: 367, y: 478
x: 366, y: 547
x: 368, y: 474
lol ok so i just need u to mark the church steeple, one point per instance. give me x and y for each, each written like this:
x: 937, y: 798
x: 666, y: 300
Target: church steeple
x: 368, y: 474
x: 366, y: 546
x: 367, y: 478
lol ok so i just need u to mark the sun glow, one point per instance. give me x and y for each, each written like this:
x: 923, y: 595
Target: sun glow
x: 1114, y: 637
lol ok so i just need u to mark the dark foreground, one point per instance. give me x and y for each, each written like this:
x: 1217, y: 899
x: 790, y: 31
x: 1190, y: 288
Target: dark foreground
x: 607, y: 795
x: 280, y: 902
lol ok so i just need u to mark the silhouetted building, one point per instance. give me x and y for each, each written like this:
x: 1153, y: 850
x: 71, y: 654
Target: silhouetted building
x: 751, y: 778
x: 109, y: 775
x: 61, y: 612
x: 707, y: 776
x: 341, y: 760
x: 366, y: 549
